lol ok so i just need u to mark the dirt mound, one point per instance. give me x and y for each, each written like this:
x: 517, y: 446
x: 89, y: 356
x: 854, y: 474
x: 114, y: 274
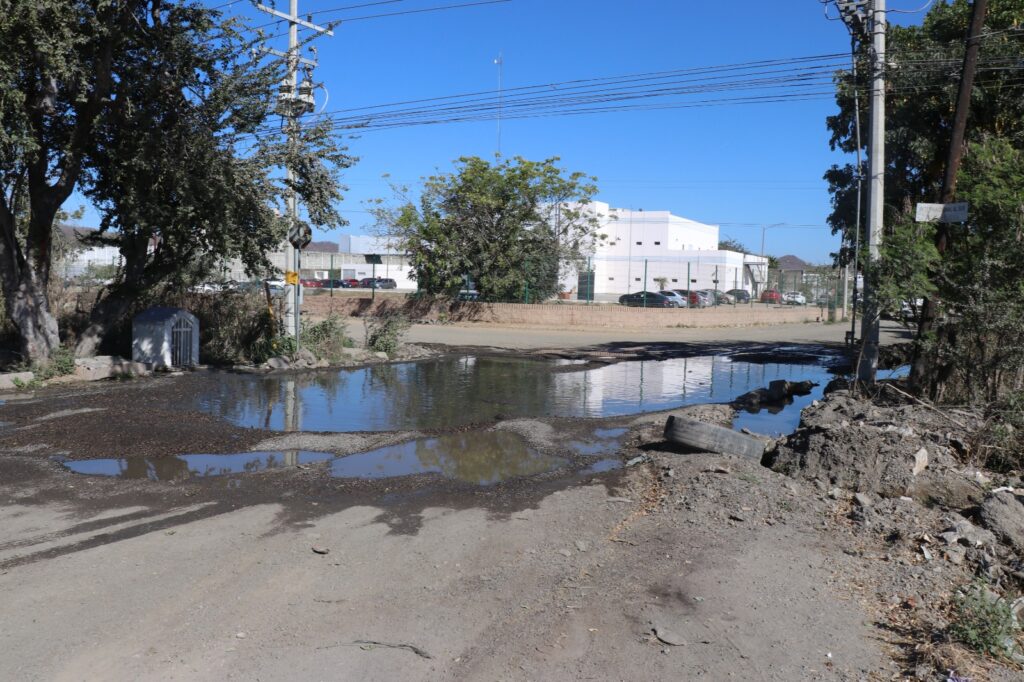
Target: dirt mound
x: 891, y: 451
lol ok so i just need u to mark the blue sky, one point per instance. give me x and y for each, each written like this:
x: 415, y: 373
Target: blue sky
x: 740, y: 166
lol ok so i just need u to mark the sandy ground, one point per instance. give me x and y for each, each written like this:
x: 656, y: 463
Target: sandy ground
x: 521, y: 338
x: 684, y: 567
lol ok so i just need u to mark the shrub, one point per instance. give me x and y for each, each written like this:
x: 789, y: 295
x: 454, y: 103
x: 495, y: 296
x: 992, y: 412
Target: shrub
x: 326, y: 339
x: 1001, y: 440
x: 983, y: 621
x: 62, y: 362
x: 384, y: 334
x: 235, y: 328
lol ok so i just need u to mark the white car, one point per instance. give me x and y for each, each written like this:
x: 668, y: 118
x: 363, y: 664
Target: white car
x: 675, y: 298
x: 794, y: 298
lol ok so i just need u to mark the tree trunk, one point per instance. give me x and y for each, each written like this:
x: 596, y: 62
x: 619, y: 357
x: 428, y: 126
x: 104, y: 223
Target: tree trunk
x: 106, y: 314
x: 29, y: 310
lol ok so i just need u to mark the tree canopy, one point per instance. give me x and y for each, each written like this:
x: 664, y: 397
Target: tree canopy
x: 976, y: 353
x: 513, y: 227
x: 158, y: 113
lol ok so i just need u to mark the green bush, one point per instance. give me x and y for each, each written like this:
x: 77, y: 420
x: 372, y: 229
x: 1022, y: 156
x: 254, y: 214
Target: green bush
x: 236, y: 328
x: 983, y: 621
x: 62, y: 362
x: 326, y: 339
x: 384, y: 334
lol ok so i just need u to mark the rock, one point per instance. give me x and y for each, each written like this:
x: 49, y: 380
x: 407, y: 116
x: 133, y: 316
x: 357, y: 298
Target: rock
x: 835, y: 493
x: 320, y: 364
x: 920, y: 461
x: 305, y: 357
x: 582, y: 545
x: 240, y: 635
x: 639, y: 459
x: 666, y: 636
x: 381, y: 355
x: 317, y: 549
x: 11, y: 380
x: 279, y: 362
x: 863, y: 499
x: 565, y: 552
x: 109, y: 366
x: 967, y: 533
x: 1003, y: 514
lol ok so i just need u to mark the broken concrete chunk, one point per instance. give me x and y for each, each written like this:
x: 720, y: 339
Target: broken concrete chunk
x: 863, y: 499
x: 1003, y: 514
x: 920, y: 461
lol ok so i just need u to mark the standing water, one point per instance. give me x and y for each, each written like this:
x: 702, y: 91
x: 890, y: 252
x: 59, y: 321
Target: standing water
x: 453, y: 392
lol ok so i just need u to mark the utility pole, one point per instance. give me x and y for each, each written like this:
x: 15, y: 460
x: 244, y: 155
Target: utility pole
x: 293, y: 100
x: 868, y: 365
x: 956, y: 149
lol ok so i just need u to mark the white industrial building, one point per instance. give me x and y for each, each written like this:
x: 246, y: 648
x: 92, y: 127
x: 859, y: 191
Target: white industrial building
x: 641, y: 247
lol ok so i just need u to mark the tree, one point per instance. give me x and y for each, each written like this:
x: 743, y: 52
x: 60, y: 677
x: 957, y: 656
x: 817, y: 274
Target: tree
x: 922, y: 80
x: 730, y: 244
x: 153, y: 110
x: 211, y: 106
x: 513, y: 227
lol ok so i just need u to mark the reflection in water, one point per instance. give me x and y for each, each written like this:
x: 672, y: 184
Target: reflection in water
x: 188, y: 466
x: 480, y: 457
x: 459, y: 391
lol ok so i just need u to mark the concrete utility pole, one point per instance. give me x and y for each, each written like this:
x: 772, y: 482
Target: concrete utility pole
x: 868, y: 366
x: 293, y: 100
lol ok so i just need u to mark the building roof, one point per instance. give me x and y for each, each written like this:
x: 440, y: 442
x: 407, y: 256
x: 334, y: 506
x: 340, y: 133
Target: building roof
x: 791, y: 262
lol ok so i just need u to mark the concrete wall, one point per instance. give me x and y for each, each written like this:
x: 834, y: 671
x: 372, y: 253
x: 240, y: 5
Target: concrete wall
x: 564, y: 315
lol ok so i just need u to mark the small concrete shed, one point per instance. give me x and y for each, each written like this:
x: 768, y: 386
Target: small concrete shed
x: 166, y: 337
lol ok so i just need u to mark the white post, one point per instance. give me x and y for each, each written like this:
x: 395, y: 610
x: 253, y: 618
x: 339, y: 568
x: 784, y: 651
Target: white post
x: 876, y: 197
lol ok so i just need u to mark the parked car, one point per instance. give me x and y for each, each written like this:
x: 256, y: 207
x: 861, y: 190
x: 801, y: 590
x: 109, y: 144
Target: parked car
x: 771, y: 296
x: 276, y: 286
x: 741, y: 295
x: 379, y: 283
x: 694, y: 298
x: 335, y: 283
x: 676, y: 298
x: 646, y: 299
x: 719, y: 297
x: 794, y: 298
x: 312, y: 283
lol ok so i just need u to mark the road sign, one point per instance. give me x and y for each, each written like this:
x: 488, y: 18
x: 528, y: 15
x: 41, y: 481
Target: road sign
x: 300, y: 235
x: 291, y: 277
x: 942, y: 213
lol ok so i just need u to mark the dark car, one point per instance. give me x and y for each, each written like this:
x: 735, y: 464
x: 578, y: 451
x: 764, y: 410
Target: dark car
x: 741, y: 295
x: 336, y: 283
x: 771, y: 296
x: 693, y: 298
x: 379, y: 283
x: 646, y: 299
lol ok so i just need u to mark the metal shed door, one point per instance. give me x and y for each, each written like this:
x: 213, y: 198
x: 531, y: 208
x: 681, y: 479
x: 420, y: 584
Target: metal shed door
x: 181, y: 344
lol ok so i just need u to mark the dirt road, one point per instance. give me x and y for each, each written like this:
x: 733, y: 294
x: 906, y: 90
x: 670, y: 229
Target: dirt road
x: 683, y: 567
x: 509, y: 337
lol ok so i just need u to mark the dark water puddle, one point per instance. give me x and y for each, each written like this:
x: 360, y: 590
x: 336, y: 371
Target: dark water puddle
x: 482, y: 457
x: 452, y: 392
x: 189, y: 466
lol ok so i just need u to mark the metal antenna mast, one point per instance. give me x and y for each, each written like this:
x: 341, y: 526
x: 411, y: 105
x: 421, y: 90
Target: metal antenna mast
x: 293, y: 100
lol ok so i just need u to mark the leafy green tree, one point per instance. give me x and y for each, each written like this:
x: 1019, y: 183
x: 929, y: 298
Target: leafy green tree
x: 922, y: 78
x: 514, y: 227
x: 155, y: 111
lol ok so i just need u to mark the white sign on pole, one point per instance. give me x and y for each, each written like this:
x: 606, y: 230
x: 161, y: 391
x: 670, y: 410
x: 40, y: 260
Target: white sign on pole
x: 943, y: 213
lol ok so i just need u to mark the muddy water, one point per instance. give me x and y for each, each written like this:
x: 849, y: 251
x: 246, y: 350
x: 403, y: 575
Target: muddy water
x: 454, y: 392
x: 480, y: 457
x: 190, y: 466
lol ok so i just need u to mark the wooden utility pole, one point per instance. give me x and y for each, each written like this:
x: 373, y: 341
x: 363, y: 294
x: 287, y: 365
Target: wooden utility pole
x: 929, y: 311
